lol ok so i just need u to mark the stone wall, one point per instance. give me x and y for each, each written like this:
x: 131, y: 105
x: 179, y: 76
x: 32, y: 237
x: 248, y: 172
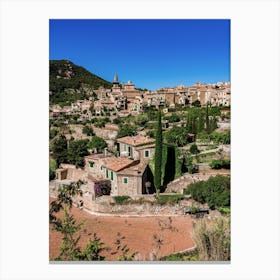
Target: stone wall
x: 109, y: 135
x: 105, y: 205
x: 73, y: 173
x: 106, y: 134
x: 131, y: 188
x: 181, y: 183
x: 203, y: 166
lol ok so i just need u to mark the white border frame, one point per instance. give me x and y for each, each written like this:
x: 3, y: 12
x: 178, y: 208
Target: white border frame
x: 255, y: 137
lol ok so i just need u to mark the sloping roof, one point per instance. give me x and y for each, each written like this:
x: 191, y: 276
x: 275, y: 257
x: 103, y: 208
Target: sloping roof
x: 136, y: 140
x: 118, y: 163
x: 135, y: 170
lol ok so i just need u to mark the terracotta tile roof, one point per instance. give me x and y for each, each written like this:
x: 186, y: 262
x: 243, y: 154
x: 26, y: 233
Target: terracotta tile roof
x: 118, y: 163
x: 135, y: 170
x: 136, y: 140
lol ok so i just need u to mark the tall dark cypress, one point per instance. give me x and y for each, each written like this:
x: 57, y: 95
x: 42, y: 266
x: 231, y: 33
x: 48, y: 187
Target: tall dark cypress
x: 207, y: 120
x: 158, y: 153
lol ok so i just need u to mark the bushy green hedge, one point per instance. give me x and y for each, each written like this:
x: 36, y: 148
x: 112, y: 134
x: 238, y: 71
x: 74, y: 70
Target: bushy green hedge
x: 173, y: 118
x: 122, y: 199
x: 220, y: 137
x: 169, y: 199
x: 215, y: 192
x: 220, y: 163
x: 224, y: 210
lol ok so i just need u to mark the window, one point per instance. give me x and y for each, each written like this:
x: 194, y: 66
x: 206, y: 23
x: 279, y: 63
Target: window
x: 125, y: 180
x: 101, y: 167
x: 107, y: 173
x: 147, y: 153
x: 124, y: 147
x: 91, y: 164
x: 112, y: 175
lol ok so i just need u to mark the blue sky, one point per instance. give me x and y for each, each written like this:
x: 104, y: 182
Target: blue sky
x: 151, y: 53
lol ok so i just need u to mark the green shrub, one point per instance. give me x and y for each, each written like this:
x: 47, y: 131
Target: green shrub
x: 87, y: 130
x: 97, y: 143
x: 224, y: 210
x: 215, y: 191
x: 53, y: 133
x: 117, y: 120
x: 169, y: 199
x: 186, y: 191
x: 126, y: 130
x: 121, y: 199
x: 52, y: 167
x: 194, y: 149
x: 220, y: 163
x: 172, y: 118
x: 187, y: 256
x: 222, y: 138
x: 151, y: 133
x: 177, y: 135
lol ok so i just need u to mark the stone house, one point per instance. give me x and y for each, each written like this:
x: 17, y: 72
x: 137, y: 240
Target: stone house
x: 136, y: 147
x: 127, y: 174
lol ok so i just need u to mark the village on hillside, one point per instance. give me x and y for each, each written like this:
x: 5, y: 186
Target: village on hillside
x: 123, y: 166
x: 106, y: 144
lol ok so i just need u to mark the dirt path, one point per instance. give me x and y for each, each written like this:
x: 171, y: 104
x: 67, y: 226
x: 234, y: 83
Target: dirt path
x: 138, y: 231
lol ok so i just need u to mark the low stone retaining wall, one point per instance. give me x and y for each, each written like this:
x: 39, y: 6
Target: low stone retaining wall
x: 105, y: 205
x: 145, y: 209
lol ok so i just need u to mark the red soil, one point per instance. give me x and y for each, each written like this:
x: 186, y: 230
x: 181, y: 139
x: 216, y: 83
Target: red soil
x: 138, y: 231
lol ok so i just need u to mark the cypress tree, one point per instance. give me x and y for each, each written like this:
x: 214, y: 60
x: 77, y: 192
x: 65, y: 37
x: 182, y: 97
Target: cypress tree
x: 207, y: 120
x: 158, y: 154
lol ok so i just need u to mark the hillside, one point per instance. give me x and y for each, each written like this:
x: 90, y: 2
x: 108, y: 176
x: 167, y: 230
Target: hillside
x: 69, y: 82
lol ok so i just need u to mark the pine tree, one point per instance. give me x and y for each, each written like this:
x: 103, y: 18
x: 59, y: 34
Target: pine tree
x: 158, y: 154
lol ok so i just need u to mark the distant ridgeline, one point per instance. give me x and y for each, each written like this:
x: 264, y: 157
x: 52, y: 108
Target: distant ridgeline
x: 69, y: 82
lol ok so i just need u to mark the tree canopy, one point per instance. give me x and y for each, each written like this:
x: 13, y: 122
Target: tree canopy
x: 126, y: 130
x: 59, y: 149
x: 88, y: 130
x: 77, y: 150
x: 215, y: 191
x: 177, y: 135
x: 97, y: 143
